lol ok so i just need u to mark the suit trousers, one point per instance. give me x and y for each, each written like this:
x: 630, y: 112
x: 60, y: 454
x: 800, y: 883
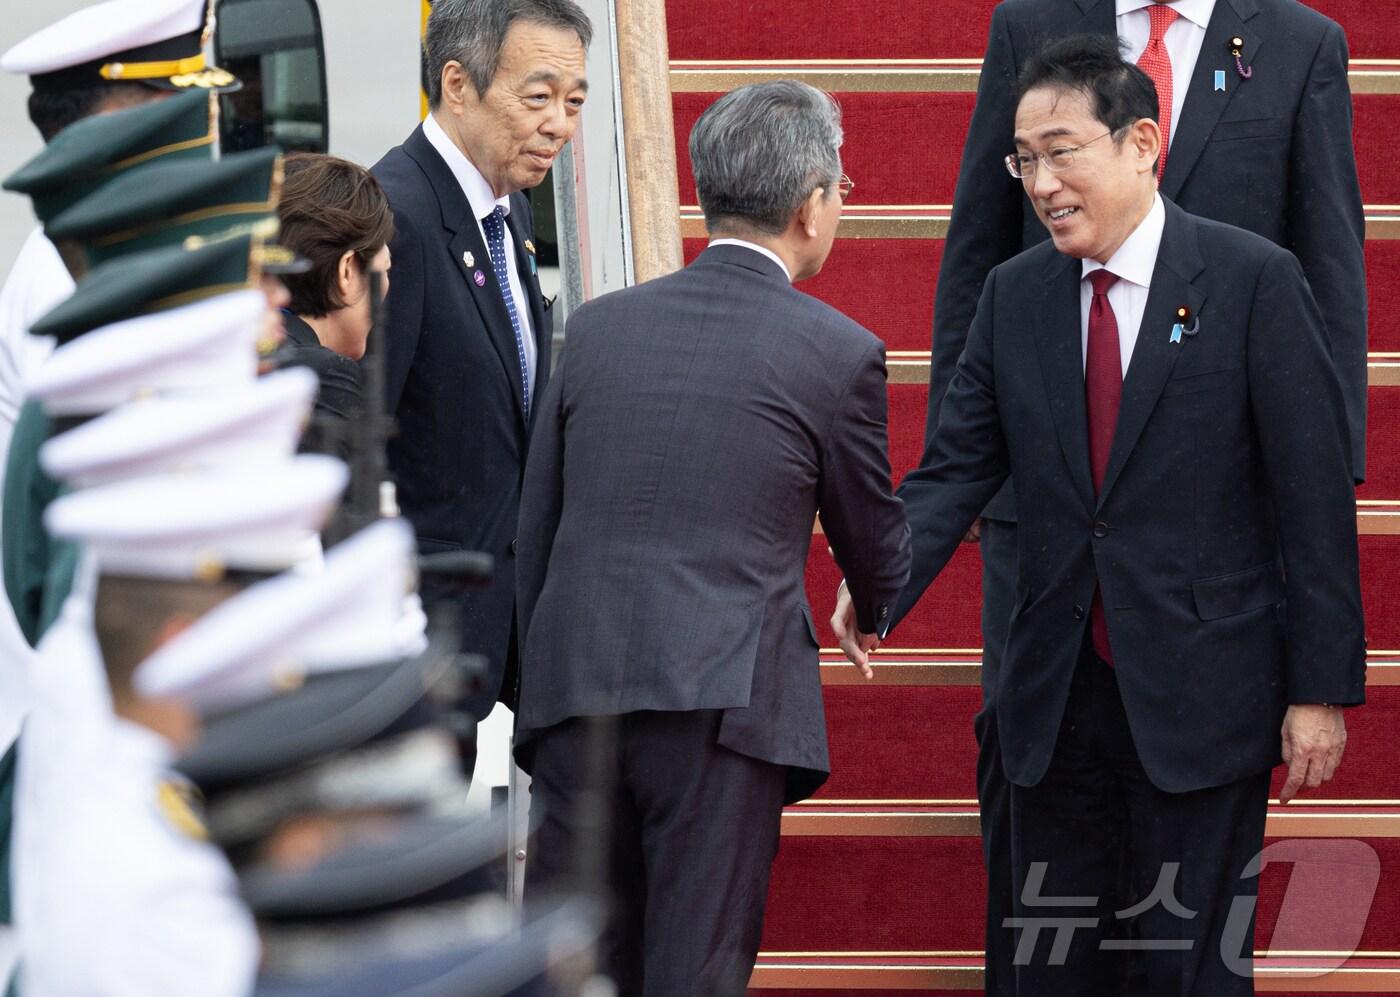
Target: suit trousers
x: 999, y: 568
x: 1192, y: 909
x: 693, y: 830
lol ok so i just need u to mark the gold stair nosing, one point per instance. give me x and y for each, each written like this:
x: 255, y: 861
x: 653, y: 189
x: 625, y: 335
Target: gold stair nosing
x: 930, y: 222
x: 1366, y: 76
x: 963, y: 667
x: 825, y: 819
x: 912, y: 367
x: 1373, y: 519
x: 1273, y: 975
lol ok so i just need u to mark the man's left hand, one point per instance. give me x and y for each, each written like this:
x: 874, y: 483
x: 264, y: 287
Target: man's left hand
x: 1314, y: 737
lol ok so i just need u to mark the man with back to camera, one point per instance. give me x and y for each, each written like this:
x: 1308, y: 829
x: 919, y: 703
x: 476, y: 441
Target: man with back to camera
x: 1262, y: 141
x: 698, y: 424
x: 467, y: 348
x: 1161, y: 388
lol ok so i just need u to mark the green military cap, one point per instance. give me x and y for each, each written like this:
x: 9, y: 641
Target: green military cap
x: 153, y: 281
x: 166, y: 203
x: 94, y: 151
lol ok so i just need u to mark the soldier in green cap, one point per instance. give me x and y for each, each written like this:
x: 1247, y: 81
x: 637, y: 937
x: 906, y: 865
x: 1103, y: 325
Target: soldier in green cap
x: 38, y: 573
x: 105, y: 57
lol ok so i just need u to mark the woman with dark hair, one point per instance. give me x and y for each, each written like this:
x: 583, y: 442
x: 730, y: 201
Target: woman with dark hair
x: 335, y: 215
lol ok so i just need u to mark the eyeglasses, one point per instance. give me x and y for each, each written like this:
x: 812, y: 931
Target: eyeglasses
x: 844, y: 186
x: 1022, y: 164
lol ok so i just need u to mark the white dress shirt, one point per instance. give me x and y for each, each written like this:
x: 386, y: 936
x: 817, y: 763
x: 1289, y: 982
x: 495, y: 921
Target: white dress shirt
x: 483, y: 201
x: 757, y: 249
x: 1183, y: 40
x: 1133, y: 265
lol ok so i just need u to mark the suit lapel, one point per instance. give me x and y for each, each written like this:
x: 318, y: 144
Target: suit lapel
x: 1097, y: 17
x: 1178, y: 264
x: 466, y: 243
x: 1061, y: 356
x: 1204, y: 103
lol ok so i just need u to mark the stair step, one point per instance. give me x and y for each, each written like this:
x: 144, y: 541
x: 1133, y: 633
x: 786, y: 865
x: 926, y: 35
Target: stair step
x: 882, y: 29
x: 911, y: 878
x: 923, y: 171
x: 962, y: 666
x: 958, y: 818
x: 887, y: 285
x: 903, y: 971
x: 1368, y: 76
x: 910, y: 736
x: 949, y: 613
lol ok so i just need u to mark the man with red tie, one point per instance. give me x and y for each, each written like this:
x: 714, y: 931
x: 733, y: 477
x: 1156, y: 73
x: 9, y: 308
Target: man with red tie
x: 1161, y: 389
x: 1255, y: 115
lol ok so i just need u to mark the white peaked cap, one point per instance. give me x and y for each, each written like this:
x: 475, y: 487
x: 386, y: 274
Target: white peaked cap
x: 101, y: 30
x: 206, y: 344
x: 195, y: 525
x: 244, y: 424
x: 272, y: 636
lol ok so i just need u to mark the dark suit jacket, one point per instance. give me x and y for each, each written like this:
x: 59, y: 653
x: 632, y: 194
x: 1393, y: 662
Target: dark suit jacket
x: 1272, y: 154
x: 337, y: 391
x: 1228, y: 462
x: 698, y: 424
x: 453, y: 385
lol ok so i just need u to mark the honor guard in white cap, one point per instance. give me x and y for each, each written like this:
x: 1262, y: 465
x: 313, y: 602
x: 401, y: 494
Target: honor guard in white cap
x: 99, y: 815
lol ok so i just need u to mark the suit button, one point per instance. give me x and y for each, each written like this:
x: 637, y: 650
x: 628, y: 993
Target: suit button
x: 1100, y: 530
x: 513, y: 545
x: 1079, y: 612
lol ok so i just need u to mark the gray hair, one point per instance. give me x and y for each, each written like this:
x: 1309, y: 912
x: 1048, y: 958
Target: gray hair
x: 760, y: 150
x: 472, y: 32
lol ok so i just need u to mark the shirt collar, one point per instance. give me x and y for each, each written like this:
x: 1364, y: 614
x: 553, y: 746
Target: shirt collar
x: 478, y: 192
x: 1196, y: 11
x: 1137, y: 257
x: 757, y: 249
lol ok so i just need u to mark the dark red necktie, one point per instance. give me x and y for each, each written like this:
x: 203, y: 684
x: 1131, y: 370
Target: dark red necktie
x: 1103, y: 391
x: 1156, y: 62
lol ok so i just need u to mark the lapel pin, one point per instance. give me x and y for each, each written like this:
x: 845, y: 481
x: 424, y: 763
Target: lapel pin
x: 468, y: 260
x: 1186, y: 324
x: 1220, y: 81
x: 529, y: 247
x: 480, y: 278
x: 1237, y: 50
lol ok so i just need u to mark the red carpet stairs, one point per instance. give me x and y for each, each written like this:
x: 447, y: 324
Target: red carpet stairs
x: 878, y: 885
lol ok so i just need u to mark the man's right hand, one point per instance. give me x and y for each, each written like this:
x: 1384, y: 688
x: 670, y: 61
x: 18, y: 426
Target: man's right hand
x: 856, y: 645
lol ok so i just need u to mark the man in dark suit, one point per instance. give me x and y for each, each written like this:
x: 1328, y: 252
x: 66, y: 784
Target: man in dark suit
x: 467, y: 349
x: 1160, y: 388
x: 698, y: 424
x: 1271, y: 153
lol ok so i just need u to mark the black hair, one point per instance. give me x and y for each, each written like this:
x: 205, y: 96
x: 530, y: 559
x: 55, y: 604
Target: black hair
x: 1119, y: 93
x: 54, y: 110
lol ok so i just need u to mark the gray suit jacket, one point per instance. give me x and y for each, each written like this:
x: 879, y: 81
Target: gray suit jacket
x: 698, y: 424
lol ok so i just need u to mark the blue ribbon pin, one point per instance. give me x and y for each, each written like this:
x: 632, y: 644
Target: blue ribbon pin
x: 1220, y: 81
x: 1186, y: 324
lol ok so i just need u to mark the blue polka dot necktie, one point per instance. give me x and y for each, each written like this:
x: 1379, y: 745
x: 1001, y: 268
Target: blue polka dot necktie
x: 494, y: 227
